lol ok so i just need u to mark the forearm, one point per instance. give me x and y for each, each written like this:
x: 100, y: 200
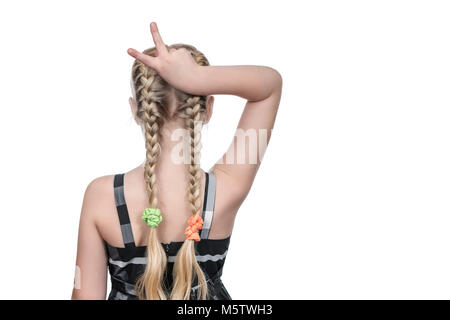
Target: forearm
x: 254, y: 83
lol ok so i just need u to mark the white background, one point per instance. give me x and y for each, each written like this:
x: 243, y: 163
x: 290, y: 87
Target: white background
x: 352, y: 198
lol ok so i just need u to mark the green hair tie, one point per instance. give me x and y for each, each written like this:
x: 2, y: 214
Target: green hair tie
x: 152, y: 217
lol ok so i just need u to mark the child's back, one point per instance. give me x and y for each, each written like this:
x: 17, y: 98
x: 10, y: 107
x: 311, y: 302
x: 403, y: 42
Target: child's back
x: 164, y: 228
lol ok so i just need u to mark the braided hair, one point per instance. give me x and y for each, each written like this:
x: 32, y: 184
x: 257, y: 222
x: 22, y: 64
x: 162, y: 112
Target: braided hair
x: 152, y: 97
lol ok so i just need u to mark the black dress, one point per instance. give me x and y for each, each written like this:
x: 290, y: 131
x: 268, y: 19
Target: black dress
x: 127, y: 264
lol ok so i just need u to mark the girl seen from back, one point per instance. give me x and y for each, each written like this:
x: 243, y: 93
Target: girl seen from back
x: 162, y: 229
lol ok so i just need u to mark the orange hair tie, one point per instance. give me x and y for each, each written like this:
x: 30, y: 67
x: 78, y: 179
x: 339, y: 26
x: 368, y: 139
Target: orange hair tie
x: 195, y: 224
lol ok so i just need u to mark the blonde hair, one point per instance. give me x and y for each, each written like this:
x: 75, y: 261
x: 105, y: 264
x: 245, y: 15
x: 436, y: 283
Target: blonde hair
x: 152, y: 97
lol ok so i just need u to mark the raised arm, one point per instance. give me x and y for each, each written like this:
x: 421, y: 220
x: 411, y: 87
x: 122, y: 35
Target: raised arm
x: 261, y: 87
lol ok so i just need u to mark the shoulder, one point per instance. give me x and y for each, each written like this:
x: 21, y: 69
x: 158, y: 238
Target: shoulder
x: 100, y: 186
x: 98, y: 196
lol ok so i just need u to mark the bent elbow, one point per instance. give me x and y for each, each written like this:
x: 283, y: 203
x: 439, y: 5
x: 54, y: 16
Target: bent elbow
x: 277, y: 79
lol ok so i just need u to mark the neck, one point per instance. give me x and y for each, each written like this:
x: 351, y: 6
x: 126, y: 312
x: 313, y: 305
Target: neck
x: 172, y: 142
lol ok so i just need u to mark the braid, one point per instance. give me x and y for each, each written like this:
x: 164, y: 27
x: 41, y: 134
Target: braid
x: 186, y: 264
x: 150, y: 286
x: 152, y: 122
x: 152, y: 150
x: 193, y: 124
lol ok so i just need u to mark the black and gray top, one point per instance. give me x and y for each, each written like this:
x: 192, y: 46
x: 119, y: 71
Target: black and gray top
x: 128, y: 263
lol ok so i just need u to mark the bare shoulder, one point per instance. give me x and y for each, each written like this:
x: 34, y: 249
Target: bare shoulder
x: 98, y: 197
x: 99, y: 188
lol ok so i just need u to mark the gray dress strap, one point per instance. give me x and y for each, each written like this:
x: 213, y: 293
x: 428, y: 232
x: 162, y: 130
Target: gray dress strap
x: 122, y: 211
x: 208, y: 204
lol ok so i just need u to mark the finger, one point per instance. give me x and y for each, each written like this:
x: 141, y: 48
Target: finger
x: 160, y: 46
x: 142, y: 57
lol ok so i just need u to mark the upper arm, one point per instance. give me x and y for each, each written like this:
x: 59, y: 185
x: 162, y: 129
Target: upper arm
x: 91, y: 263
x: 239, y: 164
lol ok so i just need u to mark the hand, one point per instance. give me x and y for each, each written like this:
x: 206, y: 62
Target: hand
x: 176, y: 66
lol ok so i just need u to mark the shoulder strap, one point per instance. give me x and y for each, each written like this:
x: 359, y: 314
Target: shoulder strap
x: 122, y: 211
x: 208, y: 203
